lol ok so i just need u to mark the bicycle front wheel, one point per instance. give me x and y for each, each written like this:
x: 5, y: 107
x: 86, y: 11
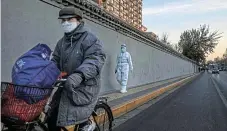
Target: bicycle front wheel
x: 103, y: 117
x: 38, y: 127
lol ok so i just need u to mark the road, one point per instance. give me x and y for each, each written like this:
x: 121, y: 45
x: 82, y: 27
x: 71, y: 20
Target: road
x: 194, y: 107
x: 221, y: 81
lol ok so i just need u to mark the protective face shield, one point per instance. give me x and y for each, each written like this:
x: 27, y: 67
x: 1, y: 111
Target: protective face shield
x: 69, y: 26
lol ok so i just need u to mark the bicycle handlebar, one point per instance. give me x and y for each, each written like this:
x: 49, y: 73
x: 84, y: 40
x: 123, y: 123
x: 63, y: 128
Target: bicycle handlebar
x: 60, y: 82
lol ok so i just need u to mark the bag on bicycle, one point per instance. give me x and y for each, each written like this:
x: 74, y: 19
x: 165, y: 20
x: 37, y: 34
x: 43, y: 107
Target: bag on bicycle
x: 18, y: 109
x: 34, y: 68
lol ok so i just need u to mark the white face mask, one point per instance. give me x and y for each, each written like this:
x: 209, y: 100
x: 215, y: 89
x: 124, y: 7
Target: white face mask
x: 69, y: 26
x: 123, y: 49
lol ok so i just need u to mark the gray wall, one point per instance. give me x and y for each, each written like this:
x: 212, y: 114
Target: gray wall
x: 28, y: 22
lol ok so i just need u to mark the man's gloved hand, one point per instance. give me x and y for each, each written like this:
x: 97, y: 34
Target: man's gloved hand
x: 74, y: 80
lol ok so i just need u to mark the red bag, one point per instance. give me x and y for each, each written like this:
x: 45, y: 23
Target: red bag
x: 18, y: 109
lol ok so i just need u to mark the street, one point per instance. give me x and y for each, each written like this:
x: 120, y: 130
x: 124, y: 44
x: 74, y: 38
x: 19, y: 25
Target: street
x: 194, y: 107
x: 221, y: 81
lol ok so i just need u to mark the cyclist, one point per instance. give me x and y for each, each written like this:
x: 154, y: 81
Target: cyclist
x: 80, y: 54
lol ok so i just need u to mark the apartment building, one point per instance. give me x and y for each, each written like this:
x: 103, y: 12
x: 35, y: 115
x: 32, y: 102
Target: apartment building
x: 128, y: 10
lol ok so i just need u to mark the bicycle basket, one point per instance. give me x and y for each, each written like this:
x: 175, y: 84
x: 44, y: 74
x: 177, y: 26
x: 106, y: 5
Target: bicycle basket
x: 14, y: 103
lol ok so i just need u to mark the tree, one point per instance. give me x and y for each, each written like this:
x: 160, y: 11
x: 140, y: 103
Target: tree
x: 209, y: 62
x: 225, y: 58
x: 225, y: 54
x: 164, y: 39
x: 217, y: 59
x: 196, y: 44
x: 177, y: 48
x: 221, y: 61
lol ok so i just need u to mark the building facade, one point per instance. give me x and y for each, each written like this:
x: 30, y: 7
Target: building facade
x: 128, y: 10
x: 143, y: 28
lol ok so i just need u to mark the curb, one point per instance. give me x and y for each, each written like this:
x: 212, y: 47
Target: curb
x: 126, y: 107
x: 135, y: 89
x: 219, y: 92
x: 133, y: 104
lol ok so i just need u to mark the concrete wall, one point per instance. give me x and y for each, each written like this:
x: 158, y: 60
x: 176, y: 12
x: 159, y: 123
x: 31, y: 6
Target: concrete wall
x: 28, y: 22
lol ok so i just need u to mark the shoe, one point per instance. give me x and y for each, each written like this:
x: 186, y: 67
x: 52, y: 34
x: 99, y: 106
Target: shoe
x: 123, y: 89
x: 89, y: 127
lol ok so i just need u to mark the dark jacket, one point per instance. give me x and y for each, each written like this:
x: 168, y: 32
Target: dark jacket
x: 87, y: 58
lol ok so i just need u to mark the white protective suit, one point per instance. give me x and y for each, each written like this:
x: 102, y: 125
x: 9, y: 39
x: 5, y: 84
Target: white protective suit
x: 124, y: 63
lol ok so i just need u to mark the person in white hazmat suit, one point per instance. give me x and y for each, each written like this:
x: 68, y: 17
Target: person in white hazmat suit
x: 124, y: 64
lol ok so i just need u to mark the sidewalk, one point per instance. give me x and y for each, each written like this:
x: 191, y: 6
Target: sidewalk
x: 135, y: 97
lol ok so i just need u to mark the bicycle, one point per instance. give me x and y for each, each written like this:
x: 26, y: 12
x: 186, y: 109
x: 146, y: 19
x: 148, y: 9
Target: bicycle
x: 101, y: 113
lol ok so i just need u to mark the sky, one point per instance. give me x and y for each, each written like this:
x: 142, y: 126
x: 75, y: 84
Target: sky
x: 175, y: 16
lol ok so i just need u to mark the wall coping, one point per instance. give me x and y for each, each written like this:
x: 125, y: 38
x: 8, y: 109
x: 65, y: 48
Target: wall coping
x: 94, y: 12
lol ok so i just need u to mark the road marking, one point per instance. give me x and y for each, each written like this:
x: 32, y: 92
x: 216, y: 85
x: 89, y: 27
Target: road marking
x: 219, y: 92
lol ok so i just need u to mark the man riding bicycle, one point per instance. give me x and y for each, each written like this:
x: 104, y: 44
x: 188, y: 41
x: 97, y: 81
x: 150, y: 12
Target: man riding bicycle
x: 80, y: 54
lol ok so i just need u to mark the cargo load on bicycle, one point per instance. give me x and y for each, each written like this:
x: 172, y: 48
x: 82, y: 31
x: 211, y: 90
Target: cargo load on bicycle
x: 33, y: 75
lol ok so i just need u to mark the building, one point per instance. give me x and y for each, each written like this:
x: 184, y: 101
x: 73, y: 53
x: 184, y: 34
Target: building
x: 152, y: 34
x: 143, y: 28
x: 128, y: 10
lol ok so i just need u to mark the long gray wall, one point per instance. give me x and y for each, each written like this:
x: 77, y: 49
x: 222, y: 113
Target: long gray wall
x: 28, y: 22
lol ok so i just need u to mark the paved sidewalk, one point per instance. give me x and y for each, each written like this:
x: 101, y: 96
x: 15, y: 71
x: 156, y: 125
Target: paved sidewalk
x: 119, y: 98
x: 135, y: 97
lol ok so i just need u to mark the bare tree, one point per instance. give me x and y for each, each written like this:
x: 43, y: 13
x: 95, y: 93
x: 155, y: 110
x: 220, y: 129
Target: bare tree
x: 164, y: 39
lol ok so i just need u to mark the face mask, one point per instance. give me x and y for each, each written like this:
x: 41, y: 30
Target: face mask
x: 69, y: 26
x: 123, y: 49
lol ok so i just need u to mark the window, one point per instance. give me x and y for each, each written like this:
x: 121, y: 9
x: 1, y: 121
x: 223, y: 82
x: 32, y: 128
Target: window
x: 111, y: 1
